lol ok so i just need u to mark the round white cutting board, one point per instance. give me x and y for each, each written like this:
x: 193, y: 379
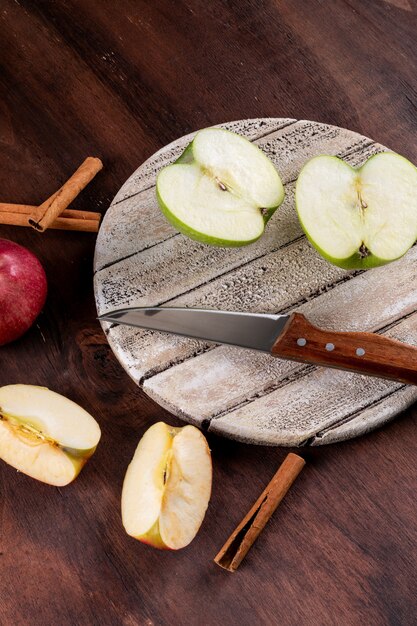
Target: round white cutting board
x: 141, y: 260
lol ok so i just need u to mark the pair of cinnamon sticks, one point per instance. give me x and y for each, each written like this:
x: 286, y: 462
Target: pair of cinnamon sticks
x: 243, y: 537
x: 53, y: 213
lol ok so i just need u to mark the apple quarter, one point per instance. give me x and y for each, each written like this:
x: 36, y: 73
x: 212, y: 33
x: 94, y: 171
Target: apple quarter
x: 44, y: 434
x: 167, y: 486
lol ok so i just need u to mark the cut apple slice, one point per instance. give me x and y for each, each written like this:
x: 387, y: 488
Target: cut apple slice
x: 221, y: 191
x: 167, y: 486
x: 359, y: 218
x: 45, y: 435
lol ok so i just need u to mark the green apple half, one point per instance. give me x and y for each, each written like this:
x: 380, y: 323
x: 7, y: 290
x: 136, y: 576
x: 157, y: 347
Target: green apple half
x: 45, y: 435
x: 167, y: 486
x: 221, y: 191
x: 359, y: 218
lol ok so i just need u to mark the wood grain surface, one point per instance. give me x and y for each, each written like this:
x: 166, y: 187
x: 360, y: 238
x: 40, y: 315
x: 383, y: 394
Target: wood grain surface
x: 279, y: 273
x: 120, y: 81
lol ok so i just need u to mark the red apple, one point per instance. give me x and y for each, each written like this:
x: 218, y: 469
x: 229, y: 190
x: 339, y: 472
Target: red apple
x: 23, y: 290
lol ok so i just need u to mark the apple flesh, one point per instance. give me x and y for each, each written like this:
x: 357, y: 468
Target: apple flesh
x: 23, y: 290
x: 359, y: 218
x: 167, y: 486
x: 222, y: 190
x: 45, y: 435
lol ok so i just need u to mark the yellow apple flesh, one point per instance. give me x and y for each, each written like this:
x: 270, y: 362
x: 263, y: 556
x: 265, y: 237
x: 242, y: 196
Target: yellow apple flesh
x: 45, y: 435
x: 167, y: 486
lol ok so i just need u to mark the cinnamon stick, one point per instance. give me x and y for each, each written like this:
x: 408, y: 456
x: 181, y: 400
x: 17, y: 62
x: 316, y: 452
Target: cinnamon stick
x: 18, y: 215
x: 243, y: 537
x: 48, y: 212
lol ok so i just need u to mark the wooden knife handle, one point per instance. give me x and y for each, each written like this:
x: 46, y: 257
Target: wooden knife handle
x: 366, y: 353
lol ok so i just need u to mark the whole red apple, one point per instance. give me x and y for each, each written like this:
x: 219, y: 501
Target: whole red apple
x: 23, y: 290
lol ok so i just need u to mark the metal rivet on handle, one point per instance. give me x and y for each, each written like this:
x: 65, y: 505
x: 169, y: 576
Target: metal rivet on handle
x: 301, y: 341
x: 360, y: 351
x: 329, y: 347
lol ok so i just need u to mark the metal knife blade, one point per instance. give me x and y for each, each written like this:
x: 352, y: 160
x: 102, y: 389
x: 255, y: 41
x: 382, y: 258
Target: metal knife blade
x: 255, y: 331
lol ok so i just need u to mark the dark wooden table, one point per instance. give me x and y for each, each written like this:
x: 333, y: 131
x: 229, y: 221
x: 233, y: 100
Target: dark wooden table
x: 119, y: 80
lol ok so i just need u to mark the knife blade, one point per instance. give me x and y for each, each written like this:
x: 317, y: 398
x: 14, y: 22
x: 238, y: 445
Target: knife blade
x: 247, y: 330
x: 286, y: 336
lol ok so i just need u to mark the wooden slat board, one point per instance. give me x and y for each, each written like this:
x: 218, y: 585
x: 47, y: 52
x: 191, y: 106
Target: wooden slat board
x: 142, y: 261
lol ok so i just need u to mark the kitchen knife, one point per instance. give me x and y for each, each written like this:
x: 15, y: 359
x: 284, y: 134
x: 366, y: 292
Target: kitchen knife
x: 285, y: 336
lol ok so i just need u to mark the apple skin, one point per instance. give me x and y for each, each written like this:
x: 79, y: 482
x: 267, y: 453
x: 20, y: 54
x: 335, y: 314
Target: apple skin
x: 188, y: 157
x: 153, y: 538
x: 356, y: 261
x: 23, y: 289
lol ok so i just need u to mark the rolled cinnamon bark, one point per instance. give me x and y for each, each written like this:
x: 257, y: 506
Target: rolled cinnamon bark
x: 243, y: 537
x: 48, y: 212
x: 18, y: 215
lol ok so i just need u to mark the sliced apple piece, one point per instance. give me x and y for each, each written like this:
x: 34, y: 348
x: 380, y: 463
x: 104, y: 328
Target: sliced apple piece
x: 359, y: 218
x: 222, y: 190
x: 167, y: 486
x: 45, y: 435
